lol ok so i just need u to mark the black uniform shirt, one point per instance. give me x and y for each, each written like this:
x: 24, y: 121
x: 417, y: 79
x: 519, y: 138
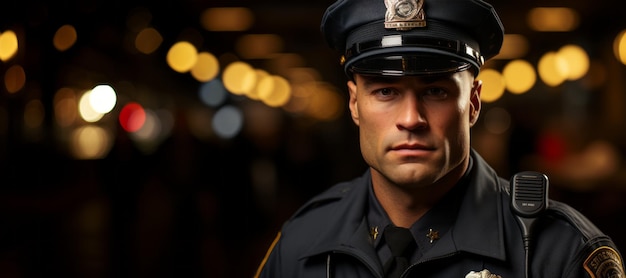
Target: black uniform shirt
x: 330, y: 236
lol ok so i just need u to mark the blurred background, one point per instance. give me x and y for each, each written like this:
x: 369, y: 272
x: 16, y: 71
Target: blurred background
x: 148, y: 139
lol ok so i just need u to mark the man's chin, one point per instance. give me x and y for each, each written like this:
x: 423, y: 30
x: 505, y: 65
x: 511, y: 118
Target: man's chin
x: 411, y: 175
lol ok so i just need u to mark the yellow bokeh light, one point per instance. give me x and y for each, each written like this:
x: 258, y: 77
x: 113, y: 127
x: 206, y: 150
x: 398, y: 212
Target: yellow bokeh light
x: 65, y: 107
x: 514, y: 46
x: 519, y: 76
x: 553, y: 19
x: 283, y: 64
x: 14, y: 79
x: 206, y: 68
x: 274, y: 90
x: 148, y: 40
x: 552, y: 69
x: 619, y: 47
x: 8, y: 45
x: 254, y: 93
x: 227, y: 19
x: 90, y: 142
x: 64, y: 37
x: 239, y: 78
x: 182, y: 56
x: 299, y: 98
x: 493, y: 85
x: 325, y: 103
x: 576, y: 59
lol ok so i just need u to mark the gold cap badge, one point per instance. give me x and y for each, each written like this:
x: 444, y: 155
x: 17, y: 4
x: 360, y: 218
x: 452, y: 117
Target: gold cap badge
x: 404, y: 15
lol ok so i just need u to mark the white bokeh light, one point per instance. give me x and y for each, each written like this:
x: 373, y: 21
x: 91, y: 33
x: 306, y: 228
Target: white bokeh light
x: 86, y: 110
x: 102, y: 98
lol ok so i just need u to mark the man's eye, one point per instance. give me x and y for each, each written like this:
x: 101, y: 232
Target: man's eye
x: 436, y: 93
x: 384, y: 91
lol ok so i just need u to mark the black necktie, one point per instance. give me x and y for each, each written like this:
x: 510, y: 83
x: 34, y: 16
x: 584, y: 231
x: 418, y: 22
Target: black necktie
x: 402, y: 244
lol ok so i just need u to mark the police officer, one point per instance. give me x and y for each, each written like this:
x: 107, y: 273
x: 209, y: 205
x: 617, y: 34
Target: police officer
x: 412, y: 67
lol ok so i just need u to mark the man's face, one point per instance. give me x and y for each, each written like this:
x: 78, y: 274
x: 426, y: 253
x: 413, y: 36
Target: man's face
x: 415, y: 130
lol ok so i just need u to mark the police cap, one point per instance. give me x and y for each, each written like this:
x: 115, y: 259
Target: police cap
x: 412, y: 37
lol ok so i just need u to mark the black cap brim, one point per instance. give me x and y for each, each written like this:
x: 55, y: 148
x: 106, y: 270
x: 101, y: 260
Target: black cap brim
x: 407, y: 64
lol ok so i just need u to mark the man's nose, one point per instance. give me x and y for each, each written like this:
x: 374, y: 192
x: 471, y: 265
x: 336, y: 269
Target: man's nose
x: 411, y: 116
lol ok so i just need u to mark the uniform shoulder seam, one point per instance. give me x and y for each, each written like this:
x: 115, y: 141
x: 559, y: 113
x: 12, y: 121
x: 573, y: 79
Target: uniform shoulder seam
x: 330, y: 195
x: 575, y: 218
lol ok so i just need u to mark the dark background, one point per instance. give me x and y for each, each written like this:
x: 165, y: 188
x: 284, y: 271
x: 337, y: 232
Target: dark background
x: 191, y: 208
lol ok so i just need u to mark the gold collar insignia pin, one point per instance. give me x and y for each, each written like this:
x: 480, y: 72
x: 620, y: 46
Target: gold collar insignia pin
x: 404, y: 15
x: 374, y: 232
x: 432, y: 235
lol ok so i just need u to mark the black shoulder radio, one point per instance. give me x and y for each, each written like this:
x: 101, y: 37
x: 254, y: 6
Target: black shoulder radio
x: 529, y: 199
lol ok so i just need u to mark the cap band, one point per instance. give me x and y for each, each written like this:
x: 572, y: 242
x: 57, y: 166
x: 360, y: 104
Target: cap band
x: 452, y: 46
x: 407, y: 65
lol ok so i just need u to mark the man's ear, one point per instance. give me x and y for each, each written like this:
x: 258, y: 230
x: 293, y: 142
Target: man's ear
x: 354, y: 111
x: 475, y: 103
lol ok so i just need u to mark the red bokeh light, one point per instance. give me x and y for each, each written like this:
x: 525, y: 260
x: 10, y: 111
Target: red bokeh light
x: 132, y: 117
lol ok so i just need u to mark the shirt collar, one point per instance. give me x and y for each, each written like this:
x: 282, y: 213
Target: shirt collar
x: 377, y: 218
x: 439, y: 219
x: 479, y: 225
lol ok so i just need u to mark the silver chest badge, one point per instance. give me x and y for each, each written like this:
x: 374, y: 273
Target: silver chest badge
x: 482, y: 274
x: 404, y: 15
